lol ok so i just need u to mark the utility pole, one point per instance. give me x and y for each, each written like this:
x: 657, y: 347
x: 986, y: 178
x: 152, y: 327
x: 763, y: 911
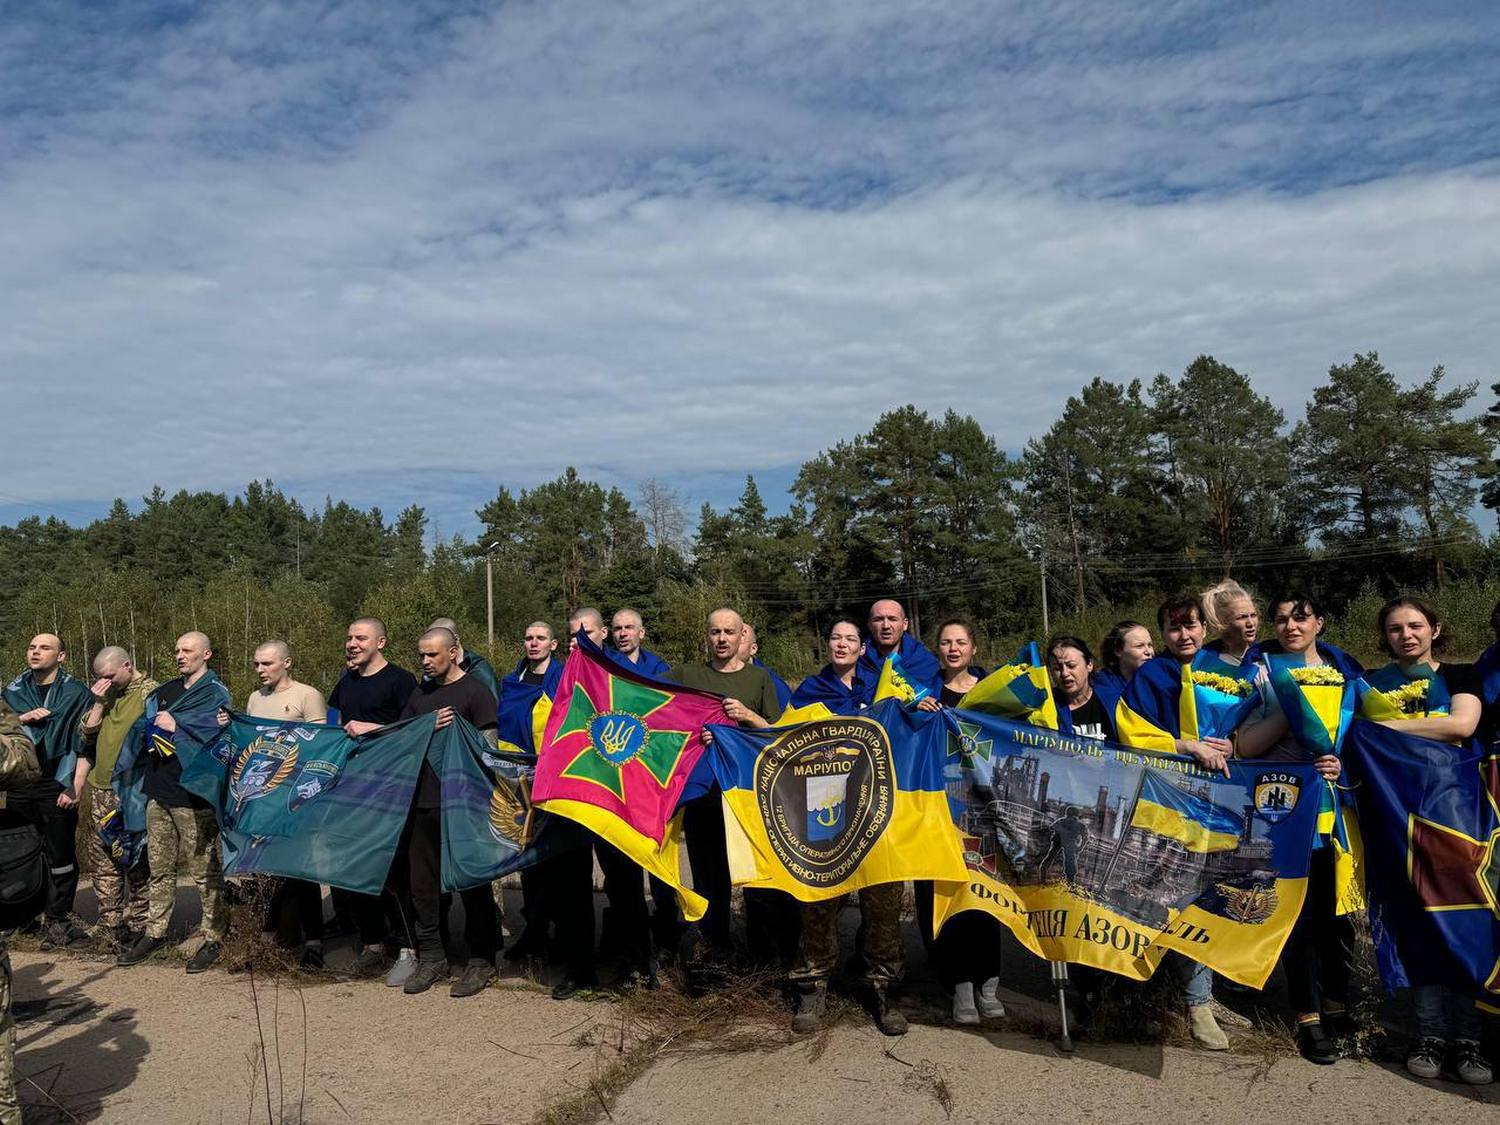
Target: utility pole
x: 489, y: 591
x: 1041, y: 562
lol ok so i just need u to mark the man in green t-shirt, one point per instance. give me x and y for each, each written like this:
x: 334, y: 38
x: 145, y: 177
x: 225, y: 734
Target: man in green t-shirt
x: 771, y: 917
x: 120, y: 691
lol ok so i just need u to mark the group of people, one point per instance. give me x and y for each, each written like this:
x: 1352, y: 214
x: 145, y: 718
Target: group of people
x: 82, y: 734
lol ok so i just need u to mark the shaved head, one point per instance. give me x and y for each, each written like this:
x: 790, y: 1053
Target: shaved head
x: 442, y: 635
x: 193, y: 651
x: 196, y: 639
x: 110, y: 657
x: 446, y: 623
x: 280, y: 649
x: 372, y: 625
x: 45, y: 654
x: 543, y: 626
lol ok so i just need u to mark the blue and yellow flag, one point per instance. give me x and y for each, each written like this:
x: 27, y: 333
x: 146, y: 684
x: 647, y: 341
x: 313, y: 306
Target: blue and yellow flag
x: 844, y: 802
x: 1097, y: 854
x: 1167, y: 700
x: 1394, y: 693
x: 894, y: 684
x: 1020, y: 690
x: 523, y: 709
x: 1194, y: 821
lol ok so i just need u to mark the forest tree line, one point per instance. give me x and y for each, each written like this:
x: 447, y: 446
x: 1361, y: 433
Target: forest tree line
x: 1138, y: 488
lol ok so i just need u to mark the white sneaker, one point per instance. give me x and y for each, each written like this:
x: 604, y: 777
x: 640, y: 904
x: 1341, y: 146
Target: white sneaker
x: 964, y: 1011
x: 991, y: 1007
x: 401, y: 971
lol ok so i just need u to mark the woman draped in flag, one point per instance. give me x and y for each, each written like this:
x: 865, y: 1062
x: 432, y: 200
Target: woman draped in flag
x: 1420, y: 695
x: 1081, y: 711
x: 1188, y: 701
x: 966, y: 954
x: 838, y: 685
x: 1229, y: 611
x: 1308, y: 691
x: 1125, y: 649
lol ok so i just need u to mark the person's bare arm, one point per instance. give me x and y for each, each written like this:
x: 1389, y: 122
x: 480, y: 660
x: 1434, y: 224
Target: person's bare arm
x: 1458, y: 724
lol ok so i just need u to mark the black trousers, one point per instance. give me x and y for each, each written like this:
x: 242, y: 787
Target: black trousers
x: 296, y: 911
x: 366, y: 911
x: 703, y: 824
x: 422, y: 844
x: 967, y: 951
x: 629, y: 921
x: 1316, y: 957
x: 570, y: 901
x: 59, y: 829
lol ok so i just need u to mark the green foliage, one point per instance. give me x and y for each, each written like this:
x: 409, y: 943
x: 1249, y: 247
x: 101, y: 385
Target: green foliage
x: 1131, y: 494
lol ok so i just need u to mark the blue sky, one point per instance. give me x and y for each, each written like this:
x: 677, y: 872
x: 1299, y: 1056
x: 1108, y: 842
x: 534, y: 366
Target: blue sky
x: 406, y: 252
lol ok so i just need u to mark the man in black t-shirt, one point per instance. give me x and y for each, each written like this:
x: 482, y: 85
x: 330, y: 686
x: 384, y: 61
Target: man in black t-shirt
x: 371, y: 694
x: 447, y: 692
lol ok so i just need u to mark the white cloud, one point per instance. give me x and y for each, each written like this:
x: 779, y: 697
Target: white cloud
x: 674, y: 237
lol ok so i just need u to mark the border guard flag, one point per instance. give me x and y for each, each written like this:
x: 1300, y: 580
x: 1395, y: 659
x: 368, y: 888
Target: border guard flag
x: 1430, y: 815
x: 617, y: 753
x: 839, y: 803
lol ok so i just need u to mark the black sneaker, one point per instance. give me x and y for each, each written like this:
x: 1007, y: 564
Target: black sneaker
x: 139, y: 950
x: 427, y: 974
x: 475, y: 977
x: 311, y: 960
x: 204, y: 959
x: 1314, y: 1044
x: 569, y: 987
x: 1470, y: 1064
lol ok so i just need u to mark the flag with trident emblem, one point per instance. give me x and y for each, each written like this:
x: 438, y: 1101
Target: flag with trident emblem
x: 616, y: 755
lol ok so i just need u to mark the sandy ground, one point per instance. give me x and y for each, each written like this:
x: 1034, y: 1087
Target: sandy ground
x: 153, y: 1044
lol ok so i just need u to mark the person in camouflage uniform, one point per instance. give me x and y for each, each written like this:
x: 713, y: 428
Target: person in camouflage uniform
x: 881, y: 950
x: 120, y: 691
x: 18, y: 768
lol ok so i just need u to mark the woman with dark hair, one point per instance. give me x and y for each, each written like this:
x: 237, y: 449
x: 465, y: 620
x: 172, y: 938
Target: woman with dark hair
x: 1316, y: 957
x: 1080, y: 710
x: 1126, y: 647
x: 837, y: 685
x: 1440, y: 701
x: 1150, y: 716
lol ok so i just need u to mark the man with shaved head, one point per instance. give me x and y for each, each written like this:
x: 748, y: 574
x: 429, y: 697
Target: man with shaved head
x: 119, y: 692
x: 888, y: 634
x: 181, y: 831
x: 297, y: 904
x: 749, y: 700
x: 51, y: 705
x: 471, y: 662
x: 447, y: 691
x: 589, y: 621
x: 627, y: 631
x: 372, y: 693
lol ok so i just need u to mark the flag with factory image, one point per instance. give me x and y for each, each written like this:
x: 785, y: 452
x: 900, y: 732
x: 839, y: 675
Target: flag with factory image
x: 1101, y: 855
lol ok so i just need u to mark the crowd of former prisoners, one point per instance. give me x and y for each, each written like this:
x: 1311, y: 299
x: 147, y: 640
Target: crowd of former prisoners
x: 403, y: 934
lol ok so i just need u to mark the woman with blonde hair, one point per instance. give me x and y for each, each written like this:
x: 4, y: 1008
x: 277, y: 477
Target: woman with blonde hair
x: 1230, y: 614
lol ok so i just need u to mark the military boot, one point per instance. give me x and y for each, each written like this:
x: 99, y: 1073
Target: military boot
x: 890, y: 1019
x: 812, y: 1005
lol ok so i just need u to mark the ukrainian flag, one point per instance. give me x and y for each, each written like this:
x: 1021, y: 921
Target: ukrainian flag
x: 1019, y: 690
x: 1196, y: 823
x: 893, y: 683
x: 822, y: 808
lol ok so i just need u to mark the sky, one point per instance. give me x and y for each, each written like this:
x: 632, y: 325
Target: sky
x: 408, y: 252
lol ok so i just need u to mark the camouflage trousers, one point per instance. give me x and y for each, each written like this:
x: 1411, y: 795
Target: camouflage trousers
x: 10, y: 1105
x: 879, y: 944
x: 186, y: 838
x: 121, y: 894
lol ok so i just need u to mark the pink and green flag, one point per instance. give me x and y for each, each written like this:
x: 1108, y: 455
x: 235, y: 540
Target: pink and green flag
x: 616, y: 755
